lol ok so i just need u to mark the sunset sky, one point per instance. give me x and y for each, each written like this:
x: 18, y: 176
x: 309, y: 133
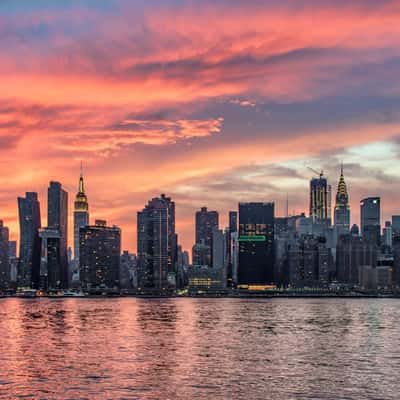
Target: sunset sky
x: 211, y: 102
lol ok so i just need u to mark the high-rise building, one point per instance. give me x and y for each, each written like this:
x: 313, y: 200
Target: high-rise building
x: 157, y: 244
x: 201, y: 254
x: 219, y: 249
x: 342, y: 207
x: 99, y: 256
x: 353, y: 252
x: 206, y: 222
x: 233, y: 221
x: 320, y: 200
x: 29, y: 250
x: 51, y: 277
x: 396, y: 225
x: 256, y: 244
x: 371, y: 219
x: 232, y: 229
x: 13, y: 262
x: 57, y: 219
x: 4, y: 257
x: 81, y: 216
x: 388, y: 235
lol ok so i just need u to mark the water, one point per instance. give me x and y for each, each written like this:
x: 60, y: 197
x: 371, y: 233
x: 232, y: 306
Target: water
x: 199, y: 349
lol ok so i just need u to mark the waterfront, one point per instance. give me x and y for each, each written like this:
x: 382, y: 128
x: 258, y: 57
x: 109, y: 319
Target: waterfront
x: 187, y: 348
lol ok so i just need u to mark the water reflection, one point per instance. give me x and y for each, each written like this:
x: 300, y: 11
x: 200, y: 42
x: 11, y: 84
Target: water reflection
x: 199, y: 348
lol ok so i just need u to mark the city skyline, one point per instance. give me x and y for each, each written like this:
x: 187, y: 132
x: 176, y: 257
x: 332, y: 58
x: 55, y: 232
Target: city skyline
x: 187, y: 241
x: 239, y: 104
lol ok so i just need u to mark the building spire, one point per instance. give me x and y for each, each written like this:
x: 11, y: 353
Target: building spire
x: 81, y: 187
x: 342, y: 187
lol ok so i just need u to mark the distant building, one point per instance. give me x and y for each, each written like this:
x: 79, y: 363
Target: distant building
x: 99, y: 256
x: 81, y: 217
x: 29, y: 250
x: 320, y: 200
x: 219, y: 249
x: 4, y: 257
x: 352, y: 253
x: 157, y: 244
x: 204, y: 278
x: 201, y: 254
x: 342, y: 207
x: 57, y: 220
x: 396, y: 261
x: 256, y: 244
x: 396, y: 225
x: 388, y: 235
x: 13, y: 262
x: 128, y: 271
x: 232, y: 229
x: 206, y: 222
x: 51, y: 273
x: 309, y: 262
x: 371, y: 219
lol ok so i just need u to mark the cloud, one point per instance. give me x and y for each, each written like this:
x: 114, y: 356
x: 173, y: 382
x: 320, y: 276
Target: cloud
x: 211, y: 102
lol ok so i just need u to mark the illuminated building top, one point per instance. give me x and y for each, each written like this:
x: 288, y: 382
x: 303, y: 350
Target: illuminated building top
x: 81, y: 202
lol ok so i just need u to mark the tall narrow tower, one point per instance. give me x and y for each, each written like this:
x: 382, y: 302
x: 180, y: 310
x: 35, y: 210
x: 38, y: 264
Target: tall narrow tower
x: 342, y: 207
x: 81, y: 215
x: 320, y: 199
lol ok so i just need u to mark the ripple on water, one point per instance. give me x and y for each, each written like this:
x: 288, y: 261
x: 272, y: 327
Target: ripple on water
x: 199, y: 349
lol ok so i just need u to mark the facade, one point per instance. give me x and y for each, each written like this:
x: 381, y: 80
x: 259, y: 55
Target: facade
x: 388, y: 235
x: 57, y: 219
x: 206, y: 222
x: 219, y: 256
x: 99, y: 256
x: 320, y: 200
x: 13, y: 262
x: 396, y: 225
x: 50, y: 262
x: 201, y: 254
x: 371, y: 219
x: 256, y: 244
x: 396, y: 261
x: 342, y: 207
x: 29, y: 250
x: 232, y: 229
x: 157, y: 244
x: 128, y: 271
x: 4, y: 257
x: 81, y: 216
x: 353, y: 252
x: 204, y: 278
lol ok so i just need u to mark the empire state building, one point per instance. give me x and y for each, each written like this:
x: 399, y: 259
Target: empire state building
x: 81, y: 216
x: 342, y: 208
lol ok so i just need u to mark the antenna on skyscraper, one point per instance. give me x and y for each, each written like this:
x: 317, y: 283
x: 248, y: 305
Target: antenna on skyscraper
x: 287, y: 205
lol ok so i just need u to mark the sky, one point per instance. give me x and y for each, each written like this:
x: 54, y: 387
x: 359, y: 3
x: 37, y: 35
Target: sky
x: 211, y: 102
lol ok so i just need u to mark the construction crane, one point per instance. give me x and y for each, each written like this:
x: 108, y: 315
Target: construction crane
x: 321, y: 174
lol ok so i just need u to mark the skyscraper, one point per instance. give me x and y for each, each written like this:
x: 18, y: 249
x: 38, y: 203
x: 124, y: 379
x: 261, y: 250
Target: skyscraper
x: 29, y: 250
x: 57, y: 219
x: 50, y: 265
x: 81, y: 216
x: 256, y: 244
x: 157, y: 243
x: 206, y: 222
x: 233, y: 221
x: 320, y: 200
x: 371, y: 219
x: 99, y: 256
x: 4, y: 257
x: 342, y: 207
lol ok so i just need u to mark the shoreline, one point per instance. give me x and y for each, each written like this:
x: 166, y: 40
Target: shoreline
x: 215, y: 296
